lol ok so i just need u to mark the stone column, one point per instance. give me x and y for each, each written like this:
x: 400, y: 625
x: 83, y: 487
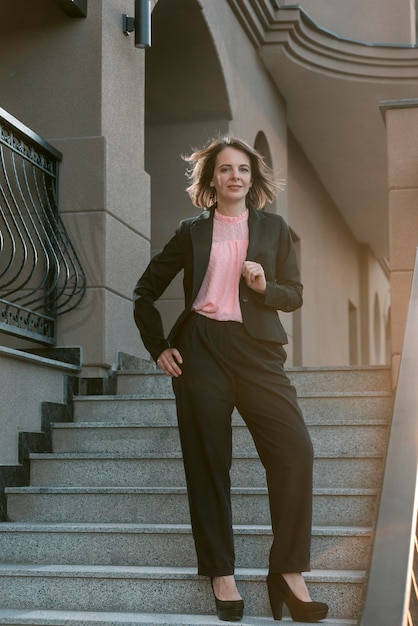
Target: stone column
x: 105, y: 195
x: 79, y: 83
x: 401, y: 118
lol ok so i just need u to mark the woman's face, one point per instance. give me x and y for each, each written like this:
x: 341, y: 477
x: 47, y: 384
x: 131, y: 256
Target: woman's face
x: 231, y: 175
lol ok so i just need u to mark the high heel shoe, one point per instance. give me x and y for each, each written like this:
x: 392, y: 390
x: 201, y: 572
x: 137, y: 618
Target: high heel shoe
x: 228, y: 610
x: 279, y: 592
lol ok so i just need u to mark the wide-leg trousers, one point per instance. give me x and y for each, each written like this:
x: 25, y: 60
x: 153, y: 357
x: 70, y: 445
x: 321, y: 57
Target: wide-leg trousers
x: 224, y: 367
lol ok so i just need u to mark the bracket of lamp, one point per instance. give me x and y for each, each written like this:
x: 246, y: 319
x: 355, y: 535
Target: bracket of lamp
x: 140, y: 24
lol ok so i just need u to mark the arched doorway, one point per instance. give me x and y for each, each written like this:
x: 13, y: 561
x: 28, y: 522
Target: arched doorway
x: 186, y: 103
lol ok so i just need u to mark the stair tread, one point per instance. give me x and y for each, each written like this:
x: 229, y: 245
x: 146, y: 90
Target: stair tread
x: 178, y: 490
x: 139, y: 424
x: 148, y: 366
x: 68, y: 527
x: 153, y: 408
x: 121, y: 456
x: 81, y: 618
x: 156, y: 397
x: 166, y: 573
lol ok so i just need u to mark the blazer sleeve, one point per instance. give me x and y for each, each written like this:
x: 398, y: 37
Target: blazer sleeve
x: 151, y: 285
x: 284, y: 293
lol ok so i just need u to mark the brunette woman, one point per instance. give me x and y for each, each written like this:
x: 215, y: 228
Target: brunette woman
x: 226, y: 350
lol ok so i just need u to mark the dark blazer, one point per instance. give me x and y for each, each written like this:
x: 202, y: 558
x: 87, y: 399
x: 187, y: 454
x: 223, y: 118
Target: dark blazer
x: 270, y: 244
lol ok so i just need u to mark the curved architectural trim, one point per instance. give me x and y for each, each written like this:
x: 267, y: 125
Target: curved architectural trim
x: 290, y: 29
x: 308, y: 19
x: 308, y: 45
x: 255, y: 17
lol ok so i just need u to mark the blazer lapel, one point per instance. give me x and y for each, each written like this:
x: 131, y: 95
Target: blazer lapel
x: 255, y: 228
x: 201, y: 231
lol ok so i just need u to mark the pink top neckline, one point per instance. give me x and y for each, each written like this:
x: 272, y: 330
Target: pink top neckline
x: 231, y: 218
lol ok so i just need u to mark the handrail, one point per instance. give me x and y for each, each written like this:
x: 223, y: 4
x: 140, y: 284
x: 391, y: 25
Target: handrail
x: 41, y: 276
x: 390, y: 594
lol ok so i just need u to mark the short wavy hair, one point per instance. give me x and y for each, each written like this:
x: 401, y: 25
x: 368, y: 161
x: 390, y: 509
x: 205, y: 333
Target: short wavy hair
x: 202, y: 165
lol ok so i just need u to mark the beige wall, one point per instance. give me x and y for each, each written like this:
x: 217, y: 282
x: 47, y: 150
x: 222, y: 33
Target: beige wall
x: 329, y: 265
x: 79, y: 84
x: 333, y: 266
x: 375, y: 21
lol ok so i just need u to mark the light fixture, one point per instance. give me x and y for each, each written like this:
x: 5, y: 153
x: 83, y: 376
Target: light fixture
x: 141, y: 24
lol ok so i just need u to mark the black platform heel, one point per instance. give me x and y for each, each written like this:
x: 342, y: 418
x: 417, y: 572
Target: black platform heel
x: 279, y: 592
x: 228, y: 610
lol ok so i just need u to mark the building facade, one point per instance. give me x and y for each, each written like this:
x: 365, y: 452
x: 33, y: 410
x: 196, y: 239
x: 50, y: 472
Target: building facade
x: 326, y: 94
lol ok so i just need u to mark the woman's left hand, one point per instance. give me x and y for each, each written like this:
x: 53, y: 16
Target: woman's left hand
x: 254, y: 276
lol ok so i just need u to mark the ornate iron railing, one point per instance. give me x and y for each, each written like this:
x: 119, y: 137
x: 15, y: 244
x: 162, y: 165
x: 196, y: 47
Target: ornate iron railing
x: 41, y: 276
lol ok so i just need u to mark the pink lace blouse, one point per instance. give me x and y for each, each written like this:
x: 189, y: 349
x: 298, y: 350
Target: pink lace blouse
x: 218, y: 294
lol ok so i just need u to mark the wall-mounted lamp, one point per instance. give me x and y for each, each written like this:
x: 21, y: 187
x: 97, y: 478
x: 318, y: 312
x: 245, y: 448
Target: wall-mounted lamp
x: 141, y: 24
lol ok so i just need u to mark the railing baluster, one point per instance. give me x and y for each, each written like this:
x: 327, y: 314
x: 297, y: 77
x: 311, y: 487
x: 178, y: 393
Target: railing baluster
x: 11, y: 227
x: 41, y: 276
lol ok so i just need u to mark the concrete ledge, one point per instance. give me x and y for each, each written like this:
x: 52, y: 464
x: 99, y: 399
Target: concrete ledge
x: 34, y: 390
x: 36, y: 358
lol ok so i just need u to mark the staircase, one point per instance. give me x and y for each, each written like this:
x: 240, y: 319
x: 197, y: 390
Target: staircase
x: 101, y: 536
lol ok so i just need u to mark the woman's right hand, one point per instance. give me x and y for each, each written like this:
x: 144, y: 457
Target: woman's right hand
x: 169, y: 361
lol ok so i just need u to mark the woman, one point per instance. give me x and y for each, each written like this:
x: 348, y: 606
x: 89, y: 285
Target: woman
x: 225, y: 351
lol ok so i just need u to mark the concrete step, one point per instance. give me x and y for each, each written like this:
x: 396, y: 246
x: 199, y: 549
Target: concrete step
x: 166, y: 544
x: 163, y: 590
x: 335, y: 507
x: 337, y: 439
x: 161, y: 411
x: 112, y: 496
x: 166, y: 470
x: 151, y: 380
x: 19, y: 617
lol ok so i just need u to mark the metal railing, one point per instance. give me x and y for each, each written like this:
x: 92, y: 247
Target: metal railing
x: 391, y: 596
x: 40, y: 274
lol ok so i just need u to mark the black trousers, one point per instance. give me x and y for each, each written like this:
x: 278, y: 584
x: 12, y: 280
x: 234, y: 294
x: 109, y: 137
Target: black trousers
x: 224, y: 367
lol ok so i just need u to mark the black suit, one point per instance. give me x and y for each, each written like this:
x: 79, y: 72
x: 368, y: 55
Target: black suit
x: 270, y: 245
x: 227, y: 365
